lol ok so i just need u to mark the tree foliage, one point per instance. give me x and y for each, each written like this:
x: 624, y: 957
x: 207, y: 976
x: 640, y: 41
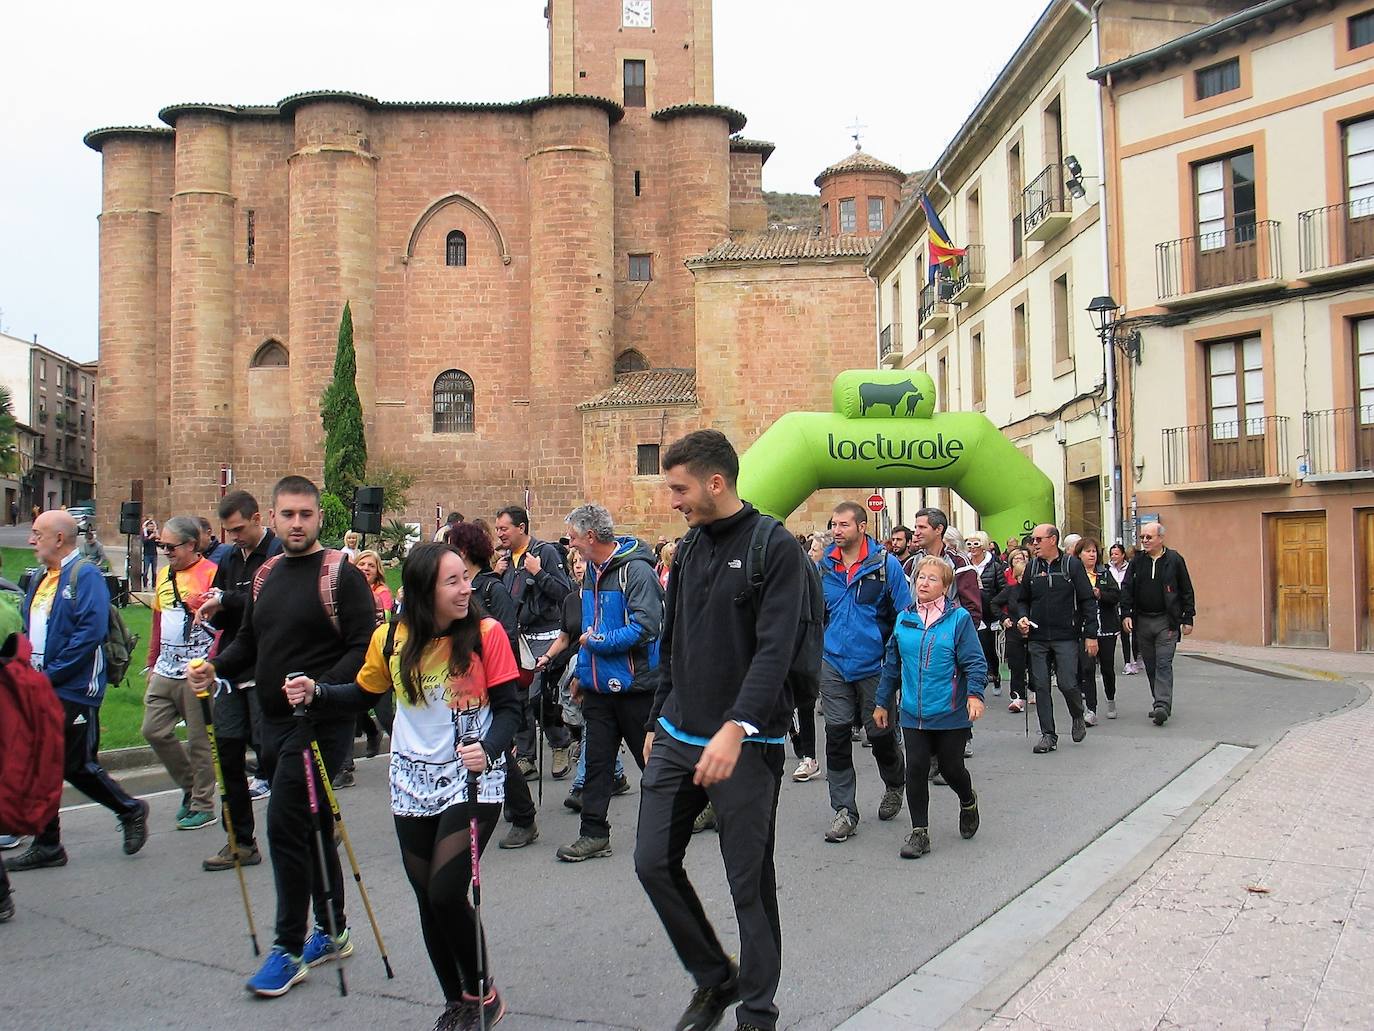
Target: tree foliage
x: 9, y: 434
x: 336, y: 518
x: 395, y: 484
x: 341, y: 411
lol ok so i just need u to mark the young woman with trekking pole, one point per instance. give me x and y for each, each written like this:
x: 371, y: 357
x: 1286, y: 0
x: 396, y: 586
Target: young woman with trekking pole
x: 457, y: 711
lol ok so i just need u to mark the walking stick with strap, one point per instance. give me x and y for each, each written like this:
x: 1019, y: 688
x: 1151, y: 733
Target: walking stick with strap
x: 329, y: 888
x: 474, y: 843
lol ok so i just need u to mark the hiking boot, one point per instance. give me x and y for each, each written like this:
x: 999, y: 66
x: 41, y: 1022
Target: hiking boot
x: 519, y: 837
x: 1079, y: 730
x: 36, y: 857
x: 1017, y: 705
x: 455, y: 1015
x: 844, y: 827
x: 6, y: 908
x: 527, y: 768
x: 195, y: 821
x: 807, y: 769
x: 278, y: 973
x: 135, y: 829
x: 706, y: 820
x: 584, y: 848
x: 1046, y: 743
x: 891, y: 804
x: 1090, y: 718
x: 562, y: 763
x: 492, y: 1009
x: 709, y: 1003
x: 344, y: 779
x: 968, y: 818
x: 248, y: 855
x: 1111, y: 709
x: 916, y: 845
x: 574, y: 800
x: 1159, y: 714
x: 321, y: 948
x: 621, y: 786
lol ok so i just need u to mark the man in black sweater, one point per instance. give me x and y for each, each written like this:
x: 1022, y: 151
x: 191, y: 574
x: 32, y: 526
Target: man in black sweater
x: 1055, y: 609
x: 716, y: 731
x: 301, y: 620
x: 1156, y: 606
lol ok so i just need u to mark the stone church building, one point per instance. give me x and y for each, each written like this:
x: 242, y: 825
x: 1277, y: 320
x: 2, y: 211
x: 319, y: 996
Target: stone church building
x: 544, y: 292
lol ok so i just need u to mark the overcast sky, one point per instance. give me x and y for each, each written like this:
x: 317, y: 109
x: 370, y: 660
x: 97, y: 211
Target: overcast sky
x: 802, y: 70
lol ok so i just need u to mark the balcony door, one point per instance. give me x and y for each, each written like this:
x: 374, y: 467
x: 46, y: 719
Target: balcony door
x: 1358, y: 143
x: 1364, y: 393
x: 1224, y: 189
x: 1235, y: 400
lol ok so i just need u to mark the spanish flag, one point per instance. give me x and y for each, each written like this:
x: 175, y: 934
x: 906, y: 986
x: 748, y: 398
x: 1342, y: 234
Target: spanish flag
x: 941, y: 251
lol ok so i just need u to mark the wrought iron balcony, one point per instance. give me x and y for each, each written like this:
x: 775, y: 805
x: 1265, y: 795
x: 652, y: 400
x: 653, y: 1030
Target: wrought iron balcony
x: 967, y: 275
x: 1229, y: 262
x: 1248, y: 449
x: 1045, y: 210
x: 1336, y: 240
x: 1339, y: 440
x: 935, y: 302
x: 890, y: 341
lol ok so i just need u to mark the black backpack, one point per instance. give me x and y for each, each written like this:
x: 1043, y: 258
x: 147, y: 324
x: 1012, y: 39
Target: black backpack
x: 804, y: 674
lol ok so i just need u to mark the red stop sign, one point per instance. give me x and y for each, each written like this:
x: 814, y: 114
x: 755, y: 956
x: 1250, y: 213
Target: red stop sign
x: 876, y: 503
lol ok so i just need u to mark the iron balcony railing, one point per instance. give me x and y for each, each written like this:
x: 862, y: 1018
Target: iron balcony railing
x: 1244, y: 253
x: 935, y: 297
x: 1339, y: 440
x: 1335, y: 235
x: 885, y: 344
x: 1248, y: 449
x: 969, y: 269
x: 1044, y: 196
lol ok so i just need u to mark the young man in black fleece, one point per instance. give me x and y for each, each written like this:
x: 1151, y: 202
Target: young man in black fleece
x: 716, y: 731
x: 286, y: 629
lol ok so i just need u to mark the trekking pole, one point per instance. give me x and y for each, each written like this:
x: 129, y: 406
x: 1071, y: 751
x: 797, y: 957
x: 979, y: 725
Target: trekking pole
x: 309, y: 764
x: 539, y: 727
x: 352, y: 858
x: 473, y: 844
x: 205, y: 710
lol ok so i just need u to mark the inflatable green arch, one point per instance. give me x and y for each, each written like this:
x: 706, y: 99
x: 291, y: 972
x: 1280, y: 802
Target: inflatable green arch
x: 884, y: 433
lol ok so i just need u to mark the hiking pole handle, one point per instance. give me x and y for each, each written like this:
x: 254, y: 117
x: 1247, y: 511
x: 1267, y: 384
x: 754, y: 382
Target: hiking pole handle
x: 298, y: 710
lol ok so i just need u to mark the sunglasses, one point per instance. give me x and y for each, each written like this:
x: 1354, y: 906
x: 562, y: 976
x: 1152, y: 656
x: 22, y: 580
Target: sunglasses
x: 169, y: 548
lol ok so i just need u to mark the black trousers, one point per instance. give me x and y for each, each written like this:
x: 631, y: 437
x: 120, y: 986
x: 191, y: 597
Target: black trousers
x: 233, y: 762
x: 291, y: 831
x: 1065, y: 656
x: 946, y: 747
x: 82, y: 770
x: 987, y: 637
x: 1087, y: 672
x: 520, y: 808
x: 608, y: 720
x: 437, y: 854
x: 746, y: 816
x: 1017, y: 660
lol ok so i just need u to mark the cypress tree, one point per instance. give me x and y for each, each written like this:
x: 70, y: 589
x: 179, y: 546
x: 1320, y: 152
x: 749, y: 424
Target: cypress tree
x: 341, y: 411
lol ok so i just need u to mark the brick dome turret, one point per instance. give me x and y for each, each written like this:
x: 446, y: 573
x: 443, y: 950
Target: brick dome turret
x: 859, y: 195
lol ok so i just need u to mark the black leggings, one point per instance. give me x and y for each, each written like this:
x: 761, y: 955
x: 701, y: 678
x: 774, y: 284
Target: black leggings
x: 1087, y: 672
x: 1127, y: 647
x: 947, y: 748
x: 438, y: 862
x: 804, y: 740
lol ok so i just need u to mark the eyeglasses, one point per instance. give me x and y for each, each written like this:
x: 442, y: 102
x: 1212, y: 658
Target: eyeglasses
x: 169, y: 548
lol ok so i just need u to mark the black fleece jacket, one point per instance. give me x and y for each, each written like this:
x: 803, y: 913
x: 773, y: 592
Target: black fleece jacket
x: 1165, y: 578
x: 718, y: 663
x: 1058, y: 598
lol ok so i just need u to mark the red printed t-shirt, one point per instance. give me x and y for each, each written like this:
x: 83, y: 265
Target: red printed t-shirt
x: 426, y: 777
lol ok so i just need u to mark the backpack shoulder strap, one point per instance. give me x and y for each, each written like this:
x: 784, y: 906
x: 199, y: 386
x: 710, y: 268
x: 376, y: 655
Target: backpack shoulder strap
x: 389, y: 648
x: 330, y: 570
x: 758, y: 556
x: 262, y: 573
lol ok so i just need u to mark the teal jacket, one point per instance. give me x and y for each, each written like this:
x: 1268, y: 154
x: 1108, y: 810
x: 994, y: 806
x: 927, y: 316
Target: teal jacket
x: 937, y: 668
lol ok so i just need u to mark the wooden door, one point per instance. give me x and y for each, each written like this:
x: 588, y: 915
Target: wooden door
x: 1367, y: 583
x: 1300, y: 618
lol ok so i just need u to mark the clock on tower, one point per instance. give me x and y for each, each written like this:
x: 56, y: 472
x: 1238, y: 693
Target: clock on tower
x: 636, y: 14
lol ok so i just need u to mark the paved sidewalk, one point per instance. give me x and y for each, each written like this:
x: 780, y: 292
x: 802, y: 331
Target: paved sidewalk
x: 1261, y: 915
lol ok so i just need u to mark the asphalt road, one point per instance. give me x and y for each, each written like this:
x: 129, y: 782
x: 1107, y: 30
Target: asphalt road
x: 111, y: 942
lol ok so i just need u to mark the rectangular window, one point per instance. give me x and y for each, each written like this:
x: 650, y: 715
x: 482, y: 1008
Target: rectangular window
x: 1063, y: 348
x: 59, y: 375
x: 1016, y: 181
x: 1359, y: 166
x: 252, y: 235
x: 942, y: 385
x: 849, y: 221
x: 979, y: 374
x: 83, y: 386
x: 1361, y: 29
x: 59, y: 449
x: 974, y: 218
x: 641, y: 268
x: 1020, y: 349
x: 647, y: 460
x: 875, y: 214
x: 1218, y: 78
x: 1364, y: 369
x: 42, y: 368
x: 1225, y: 200
x: 825, y: 219
x: 1235, y: 373
x: 634, y: 84
x: 637, y: 182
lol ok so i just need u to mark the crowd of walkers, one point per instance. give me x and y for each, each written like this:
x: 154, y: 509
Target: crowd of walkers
x: 699, y: 658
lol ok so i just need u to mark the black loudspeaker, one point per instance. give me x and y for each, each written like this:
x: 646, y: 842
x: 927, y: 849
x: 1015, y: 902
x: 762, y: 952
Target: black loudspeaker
x: 131, y: 518
x: 367, y: 510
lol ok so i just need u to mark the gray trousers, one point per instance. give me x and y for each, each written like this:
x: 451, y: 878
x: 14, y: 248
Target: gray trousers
x: 526, y: 741
x: 1156, y: 641
x: 842, y: 703
x: 1065, y: 674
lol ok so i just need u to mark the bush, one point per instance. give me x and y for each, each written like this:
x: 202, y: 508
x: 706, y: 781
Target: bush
x: 336, y: 517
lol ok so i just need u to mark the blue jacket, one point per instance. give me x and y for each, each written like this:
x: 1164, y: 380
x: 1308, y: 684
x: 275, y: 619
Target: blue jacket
x: 74, y: 653
x: 859, y: 613
x: 937, y: 667
x: 622, y: 612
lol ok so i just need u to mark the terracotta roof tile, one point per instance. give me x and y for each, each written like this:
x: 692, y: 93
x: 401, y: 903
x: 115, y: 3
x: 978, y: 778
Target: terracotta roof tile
x: 785, y: 245
x: 651, y: 388
x: 860, y: 161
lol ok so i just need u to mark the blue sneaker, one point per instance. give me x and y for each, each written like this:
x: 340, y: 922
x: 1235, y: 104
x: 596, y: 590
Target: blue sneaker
x: 279, y: 971
x: 320, y: 948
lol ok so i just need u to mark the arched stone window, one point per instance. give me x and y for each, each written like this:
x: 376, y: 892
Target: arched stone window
x: 271, y: 355
x: 453, y: 402
x: 630, y: 360
x: 456, y: 248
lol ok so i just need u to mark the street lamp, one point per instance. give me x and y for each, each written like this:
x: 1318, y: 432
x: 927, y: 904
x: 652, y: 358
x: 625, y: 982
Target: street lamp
x: 1103, y: 311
